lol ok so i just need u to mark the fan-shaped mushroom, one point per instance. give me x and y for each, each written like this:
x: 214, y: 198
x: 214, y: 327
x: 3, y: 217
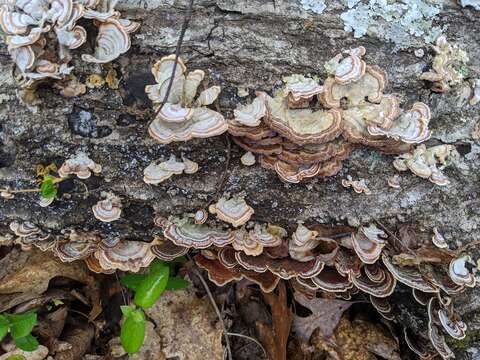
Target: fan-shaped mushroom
x: 80, y: 165
x: 235, y: 210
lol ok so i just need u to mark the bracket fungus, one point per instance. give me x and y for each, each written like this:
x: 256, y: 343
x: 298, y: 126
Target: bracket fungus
x: 359, y: 186
x: 80, y: 165
x: 297, y: 132
x: 41, y: 34
x: 368, y: 243
x: 184, y: 115
x: 459, y: 272
x: 125, y: 255
x: 183, y: 231
x: 423, y: 162
x: 448, y: 68
x: 155, y: 173
x: 234, y: 211
x: 109, y: 209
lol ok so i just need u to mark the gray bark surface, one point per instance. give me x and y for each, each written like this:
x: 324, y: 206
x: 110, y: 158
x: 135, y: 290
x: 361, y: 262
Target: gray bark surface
x: 249, y: 44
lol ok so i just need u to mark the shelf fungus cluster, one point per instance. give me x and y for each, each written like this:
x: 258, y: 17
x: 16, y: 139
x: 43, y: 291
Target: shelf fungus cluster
x: 40, y: 35
x: 448, y: 67
x: 340, y: 261
x: 80, y: 165
x: 108, y: 209
x: 306, y: 130
x: 157, y: 172
x: 423, y: 162
x: 183, y: 115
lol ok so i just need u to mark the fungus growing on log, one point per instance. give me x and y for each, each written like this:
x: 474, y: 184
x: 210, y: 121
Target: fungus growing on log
x: 459, y: 272
x: 155, y: 173
x: 126, y: 256
x: 299, y: 141
x: 80, y: 165
x: 235, y: 210
x: 448, y: 66
x: 41, y: 35
x: 423, y: 162
x: 359, y: 186
x: 109, y: 209
x: 182, y: 117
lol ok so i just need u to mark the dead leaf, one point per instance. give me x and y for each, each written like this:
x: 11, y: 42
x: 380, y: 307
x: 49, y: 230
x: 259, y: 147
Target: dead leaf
x: 274, y: 337
x: 357, y: 340
x: 25, y: 275
x: 111, y: 79
x: 326, y: 314
x: 79, y: 336
x: 187, y: 325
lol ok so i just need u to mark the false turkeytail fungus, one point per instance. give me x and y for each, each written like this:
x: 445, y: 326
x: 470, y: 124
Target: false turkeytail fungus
x: 299, y: 142
x: 182, y: 117
x: 31, y: 27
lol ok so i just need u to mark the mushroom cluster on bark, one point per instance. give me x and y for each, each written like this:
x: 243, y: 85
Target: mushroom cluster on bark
x: 306, y: 130
x: 341, y: 261
x: 40, y: 35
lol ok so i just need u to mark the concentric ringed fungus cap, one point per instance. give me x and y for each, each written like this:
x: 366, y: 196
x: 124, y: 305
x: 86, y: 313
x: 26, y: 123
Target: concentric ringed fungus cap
x: 303, y: 126
x: 459, y: 272
x: 80, y: 165
x: 409, y: 276
x: 109, y: 209
x: 234, y: 211
x: 125, y: 256
x: 368, y: 243
x: 186, y: 233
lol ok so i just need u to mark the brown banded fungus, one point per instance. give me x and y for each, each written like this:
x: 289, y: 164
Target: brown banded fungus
x: 423, y: 162
x: 41, y: 34
x: 184, y: 115
x: 109, y: 209
x: 359, y: 186
x: 234, y: 211
x: 447, y: 67
x: 155, y: 173
x: 80, y: 165
x: 125, y: 255
x: 297, y: 132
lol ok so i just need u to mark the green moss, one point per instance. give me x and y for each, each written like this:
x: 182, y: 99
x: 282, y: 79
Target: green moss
x: 471, y: 338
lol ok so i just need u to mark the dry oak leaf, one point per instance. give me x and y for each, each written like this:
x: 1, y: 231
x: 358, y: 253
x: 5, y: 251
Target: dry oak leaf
x: 274, y: 337
x: 326, y: 314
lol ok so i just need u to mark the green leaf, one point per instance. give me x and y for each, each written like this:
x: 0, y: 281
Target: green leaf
x: 132, y: 281
x: 3, y: 326
x: 48, y: 189
x: 176, y: 283
x: 157, y: 266
x: 26, y: 343
x: 22, y: 324
x: 152, y: 286
x: 132, y: 333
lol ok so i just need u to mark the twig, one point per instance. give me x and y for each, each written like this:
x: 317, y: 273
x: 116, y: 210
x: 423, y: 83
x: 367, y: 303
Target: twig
x: 219, y: 315
x: 221, y: 182
x: 250, y: 338
x: 186, y: 21
x: 19, y: 190
x: 121, y: 289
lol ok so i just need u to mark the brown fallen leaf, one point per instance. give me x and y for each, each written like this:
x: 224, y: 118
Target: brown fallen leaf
x: 50, y: 328
x: 326, y: 314
x: 79, y: 336
x: 274, y: 337
x: 357, y: 340
x: 25, y: 275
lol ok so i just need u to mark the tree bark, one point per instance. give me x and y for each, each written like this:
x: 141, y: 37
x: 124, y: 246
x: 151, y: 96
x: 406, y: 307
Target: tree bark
x: 249, y: 44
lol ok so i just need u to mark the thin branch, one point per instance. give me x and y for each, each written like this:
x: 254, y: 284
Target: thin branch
x: 219, y: 315
x: 250, y: 338
x: 186, y: 21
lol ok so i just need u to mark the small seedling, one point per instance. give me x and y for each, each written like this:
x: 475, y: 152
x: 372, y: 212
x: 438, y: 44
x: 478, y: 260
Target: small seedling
x: 20, y: 327
x: 148, y: 288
